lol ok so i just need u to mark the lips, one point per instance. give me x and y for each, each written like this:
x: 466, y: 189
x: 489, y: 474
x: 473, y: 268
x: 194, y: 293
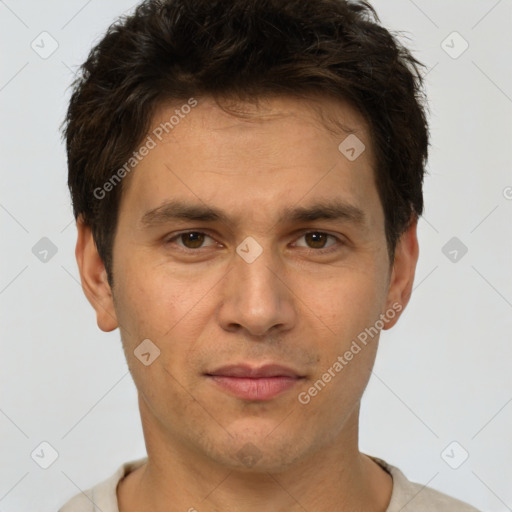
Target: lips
x: 253, y: 383
x: 269, y: 370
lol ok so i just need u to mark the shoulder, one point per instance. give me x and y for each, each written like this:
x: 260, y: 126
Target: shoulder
x: 102, y: 496
x: 413, y: 497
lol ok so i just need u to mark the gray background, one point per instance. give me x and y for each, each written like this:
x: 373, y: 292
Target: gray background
x: 442, y: 374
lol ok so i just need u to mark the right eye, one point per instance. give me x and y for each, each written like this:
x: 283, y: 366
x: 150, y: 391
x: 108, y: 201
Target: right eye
x: 191, y: 240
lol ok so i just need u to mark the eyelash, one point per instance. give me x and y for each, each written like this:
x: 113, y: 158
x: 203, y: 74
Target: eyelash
x: 326, y: 250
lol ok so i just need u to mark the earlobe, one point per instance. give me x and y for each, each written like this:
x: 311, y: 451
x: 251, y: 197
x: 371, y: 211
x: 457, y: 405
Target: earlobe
x: 402, y: 276
x: 94, y: 278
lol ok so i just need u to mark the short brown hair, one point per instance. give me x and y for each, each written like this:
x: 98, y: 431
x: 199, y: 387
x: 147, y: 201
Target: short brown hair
x: 177, y: 49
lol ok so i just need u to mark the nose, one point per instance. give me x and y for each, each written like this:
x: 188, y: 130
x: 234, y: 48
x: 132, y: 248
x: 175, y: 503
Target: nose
x: 256, y: 297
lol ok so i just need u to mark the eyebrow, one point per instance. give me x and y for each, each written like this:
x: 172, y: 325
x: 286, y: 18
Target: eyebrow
x: 325, y: 210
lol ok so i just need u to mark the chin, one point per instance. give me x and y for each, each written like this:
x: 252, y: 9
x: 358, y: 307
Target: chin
x: 261, y: 450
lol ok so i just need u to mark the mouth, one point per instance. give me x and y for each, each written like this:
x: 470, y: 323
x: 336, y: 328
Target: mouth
x: 253, y: 383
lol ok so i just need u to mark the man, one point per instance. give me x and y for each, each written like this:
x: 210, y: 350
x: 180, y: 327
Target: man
x: 247, y: 179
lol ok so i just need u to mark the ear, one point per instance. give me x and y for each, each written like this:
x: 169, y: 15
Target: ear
x: 402, y: 275
x: 94, y: 278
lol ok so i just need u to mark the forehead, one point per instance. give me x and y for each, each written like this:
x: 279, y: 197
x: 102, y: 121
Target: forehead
x: 323, y: 116
x: 274, y: 152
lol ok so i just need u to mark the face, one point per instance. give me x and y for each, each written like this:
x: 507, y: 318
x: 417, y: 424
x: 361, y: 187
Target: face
x: 251, y: 252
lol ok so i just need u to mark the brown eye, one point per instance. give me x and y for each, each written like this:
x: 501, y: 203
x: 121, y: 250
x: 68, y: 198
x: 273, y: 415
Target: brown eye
x: 192, y: 240
x: 316, y: 240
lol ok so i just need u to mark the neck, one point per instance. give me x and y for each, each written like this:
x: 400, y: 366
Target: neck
x: 179, y: 478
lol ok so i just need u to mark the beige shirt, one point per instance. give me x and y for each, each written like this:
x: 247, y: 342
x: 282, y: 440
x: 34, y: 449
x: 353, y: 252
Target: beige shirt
x: 406, y: 496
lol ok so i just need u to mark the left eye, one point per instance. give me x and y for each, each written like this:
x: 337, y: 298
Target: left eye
x: 317, y: 240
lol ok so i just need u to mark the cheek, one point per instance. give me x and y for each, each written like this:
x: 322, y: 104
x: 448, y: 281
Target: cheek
x: 145, y: 306
x: 345, y: 303
x: 162, y: 304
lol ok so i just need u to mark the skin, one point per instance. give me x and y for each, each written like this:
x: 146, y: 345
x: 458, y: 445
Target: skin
x: 294, y: 305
